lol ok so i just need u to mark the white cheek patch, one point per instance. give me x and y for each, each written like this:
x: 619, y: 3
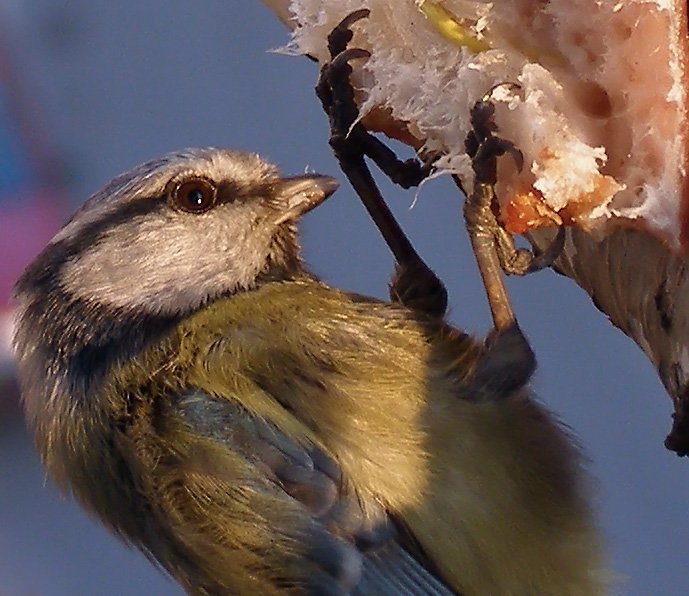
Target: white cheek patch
x: 167, y: 263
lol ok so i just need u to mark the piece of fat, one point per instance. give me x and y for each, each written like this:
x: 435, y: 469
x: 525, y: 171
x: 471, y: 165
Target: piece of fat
x: 600, y: 116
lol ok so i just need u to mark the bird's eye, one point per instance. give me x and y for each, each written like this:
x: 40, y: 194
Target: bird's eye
x: 194, y: 196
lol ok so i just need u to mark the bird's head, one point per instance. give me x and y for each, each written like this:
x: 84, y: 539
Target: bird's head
x: 176, y: 232
x: 150, y: 248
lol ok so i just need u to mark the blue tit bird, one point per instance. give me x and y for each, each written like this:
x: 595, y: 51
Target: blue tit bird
x: 255, y: 431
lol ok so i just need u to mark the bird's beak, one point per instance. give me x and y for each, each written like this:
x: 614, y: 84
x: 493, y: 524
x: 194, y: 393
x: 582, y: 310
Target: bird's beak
x: 299, y: 194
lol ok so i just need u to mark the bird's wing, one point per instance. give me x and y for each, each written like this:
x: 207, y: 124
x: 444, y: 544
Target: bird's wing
x: 392, y: 570
x: 278, y: 512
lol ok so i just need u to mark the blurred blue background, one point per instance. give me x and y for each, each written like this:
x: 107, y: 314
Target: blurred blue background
x: 88, y: 90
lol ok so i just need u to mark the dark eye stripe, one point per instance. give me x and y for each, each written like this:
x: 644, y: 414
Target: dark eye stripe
x: 86, y: 321
x: 45, y: 269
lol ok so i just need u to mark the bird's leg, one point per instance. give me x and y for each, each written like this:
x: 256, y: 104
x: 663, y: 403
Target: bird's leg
x: 414, y: 284
x: 508, y: 360
x: 336, y: 93
x: 493, y: 246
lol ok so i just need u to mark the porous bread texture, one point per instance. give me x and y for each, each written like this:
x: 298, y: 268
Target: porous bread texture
x: 600, y: 116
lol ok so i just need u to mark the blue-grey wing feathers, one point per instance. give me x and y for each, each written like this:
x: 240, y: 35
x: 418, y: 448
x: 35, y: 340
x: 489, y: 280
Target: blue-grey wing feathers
x: 353, y: 543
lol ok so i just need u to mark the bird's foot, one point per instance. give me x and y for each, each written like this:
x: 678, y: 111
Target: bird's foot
x: 348, y: 138
x: 493, y: 245
x: 414, y: 284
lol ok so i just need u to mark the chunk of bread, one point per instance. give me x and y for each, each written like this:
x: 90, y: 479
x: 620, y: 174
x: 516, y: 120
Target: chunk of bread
x: 600, y: 115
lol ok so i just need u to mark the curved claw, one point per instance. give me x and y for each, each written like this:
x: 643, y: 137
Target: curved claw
x: 345, y: 56
x: 484, y: 160
x: 353, y: 17
x: 341, y: 35
x: 548, y: 256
